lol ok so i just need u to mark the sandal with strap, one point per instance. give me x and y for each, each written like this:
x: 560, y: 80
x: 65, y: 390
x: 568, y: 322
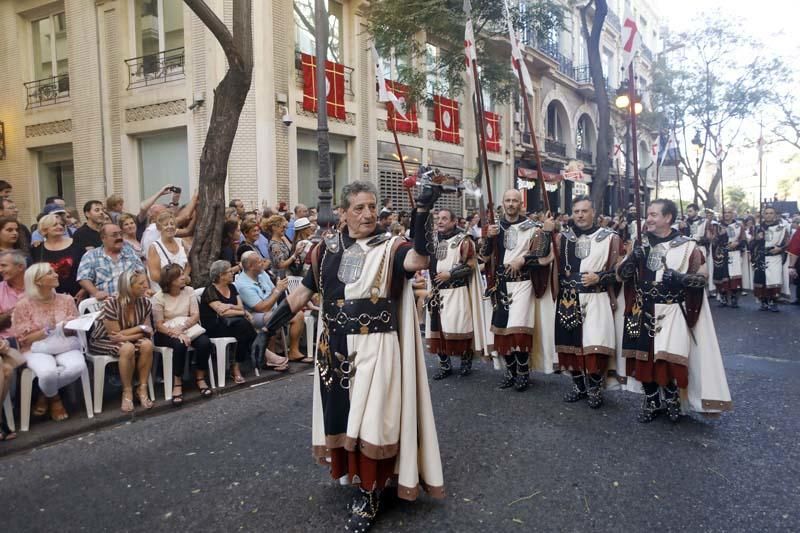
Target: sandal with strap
x: 144, y: 397
x: 127, y: 402
x: 177, y: 399
x: 57, y: 410
x: 205, y: 392
x: 236, y: 375
x: 5, y: 432
x: 40, y: 409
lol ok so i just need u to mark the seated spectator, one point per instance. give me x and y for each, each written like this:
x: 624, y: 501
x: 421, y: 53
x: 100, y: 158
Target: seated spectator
x: 12, y: 269
x: 182, y: 216
x: 127, y: 224
x: 9, y: 235
x: 88, y: 235
x: 223, y: 315
x: 166, y: 250
x: 259, y: 296
x: 280, y: 247
x: 39, y: 316
x: 6, y: 189
x: 253, y: 241
x: 124, y: 331
x: 50, y: 209
x: 8, y: 209
x: 9, y: 360
x: 72, y: 219
x: 115, y: 207
x: 175, y: 312
x: 99, y: 269
x: 60, y: 251
x: 230, y: 243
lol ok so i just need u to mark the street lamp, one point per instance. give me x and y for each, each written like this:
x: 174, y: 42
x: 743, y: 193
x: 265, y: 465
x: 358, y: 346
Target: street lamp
x: 698, y: 147
x: 623, y: 101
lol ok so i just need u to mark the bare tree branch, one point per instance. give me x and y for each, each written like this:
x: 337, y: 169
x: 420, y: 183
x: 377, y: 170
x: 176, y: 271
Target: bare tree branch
x: 217, y: 28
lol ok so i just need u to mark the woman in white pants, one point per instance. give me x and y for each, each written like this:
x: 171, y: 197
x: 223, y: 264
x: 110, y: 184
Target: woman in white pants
x: 35, y: 319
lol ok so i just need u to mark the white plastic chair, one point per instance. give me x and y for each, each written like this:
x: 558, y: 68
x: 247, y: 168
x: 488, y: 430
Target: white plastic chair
x: 220, y: 347
x: 26, y: 390
x: 9, y: 413
x: 100, y: 362
x: 309, y: 320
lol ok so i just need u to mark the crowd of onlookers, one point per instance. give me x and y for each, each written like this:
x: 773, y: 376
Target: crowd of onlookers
x: 133, y: 271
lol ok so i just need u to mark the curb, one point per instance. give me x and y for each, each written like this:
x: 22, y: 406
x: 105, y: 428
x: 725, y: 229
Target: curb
x: 30, y: 440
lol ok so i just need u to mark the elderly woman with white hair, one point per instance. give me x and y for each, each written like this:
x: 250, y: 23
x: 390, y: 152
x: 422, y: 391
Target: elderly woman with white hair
x: 52, y: 352
x: 223, y: 315
x: 61, y: 251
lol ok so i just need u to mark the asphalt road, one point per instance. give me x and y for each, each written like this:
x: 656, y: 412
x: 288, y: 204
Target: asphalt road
x: 512, y: 462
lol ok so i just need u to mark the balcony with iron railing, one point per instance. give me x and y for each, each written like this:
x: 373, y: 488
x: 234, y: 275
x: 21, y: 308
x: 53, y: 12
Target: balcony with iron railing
x: 348, y: 72
x: 613, y: 20
x: 584, y: 155
x: 47, y: 91
x: 647, y: 53
x: 551, y: 146
x: 155, y: 69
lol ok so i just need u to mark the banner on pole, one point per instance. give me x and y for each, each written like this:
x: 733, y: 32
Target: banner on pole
x: 334, y: 86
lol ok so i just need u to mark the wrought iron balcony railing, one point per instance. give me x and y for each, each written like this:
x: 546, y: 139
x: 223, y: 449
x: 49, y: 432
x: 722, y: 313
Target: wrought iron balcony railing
x: 47, y: 91
x: 584, y: 155
x: 552, y: 146
x: 157, y: 68
x: 613, y: 20
x: 348, y: 72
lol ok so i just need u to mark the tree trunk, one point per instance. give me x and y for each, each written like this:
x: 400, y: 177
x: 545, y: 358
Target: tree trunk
x: 229, y: 98
x: 711, y: 195
x: 603, y: 149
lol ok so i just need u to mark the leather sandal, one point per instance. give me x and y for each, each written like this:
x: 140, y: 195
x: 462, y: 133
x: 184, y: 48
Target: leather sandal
x: 127, y: 402
x: 177, y: 399
x: 40, y: 409
x: 205, y: 392
x: 57, y: 410
x: 236, y: 374
x: 144, y: 398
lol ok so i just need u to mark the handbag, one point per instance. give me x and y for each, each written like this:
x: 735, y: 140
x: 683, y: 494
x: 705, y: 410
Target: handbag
x: 56, y: 343
x: 180, y: 323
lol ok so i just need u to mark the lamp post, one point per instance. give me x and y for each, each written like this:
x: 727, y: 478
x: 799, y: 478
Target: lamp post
x: 698, y: 149
x: 623, y: 102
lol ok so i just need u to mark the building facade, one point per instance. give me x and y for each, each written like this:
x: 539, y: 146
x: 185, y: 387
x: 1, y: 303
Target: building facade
x: 114, y: 96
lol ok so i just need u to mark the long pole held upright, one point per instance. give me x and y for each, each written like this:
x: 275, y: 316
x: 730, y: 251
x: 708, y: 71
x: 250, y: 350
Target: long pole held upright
x: 761, y: 174
x: 534, y: 142
x: 324, y: 181
x: 635, y: 144
x: 481, y: 124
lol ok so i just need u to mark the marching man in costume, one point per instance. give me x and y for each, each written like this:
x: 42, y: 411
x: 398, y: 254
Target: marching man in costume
x: 669, y: 340
x: 768, y: 246
x: 519, y: 244
x: 455, y: 310
x: 584, y: 326
x: 729, y: 242
x: 372, y: 417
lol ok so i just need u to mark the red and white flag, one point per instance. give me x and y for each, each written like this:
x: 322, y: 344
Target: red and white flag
x: 470, y: 56
x: 517, y: 61
x: 400, y: 116
x: 445, y: 114
x: 492, y: 125
x: 631, y: 40
x: 384, y: 92
x: 334, y: 86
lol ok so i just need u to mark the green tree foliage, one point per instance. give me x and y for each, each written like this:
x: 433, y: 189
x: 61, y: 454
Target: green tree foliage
x: 406, y: 27
x: 736, y: 198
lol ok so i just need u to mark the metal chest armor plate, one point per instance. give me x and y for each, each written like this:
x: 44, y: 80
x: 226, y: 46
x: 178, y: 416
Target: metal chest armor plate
x: 510, y: 238
x: 441, y: 250
x: 352, y: 264
x: 583, y: 247
x: 656, y: 258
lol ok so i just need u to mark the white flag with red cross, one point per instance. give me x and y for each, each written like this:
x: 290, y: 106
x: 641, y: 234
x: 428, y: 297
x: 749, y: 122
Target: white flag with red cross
x: 631, y: 40
x: 517, y: 61
x: 470, y: 56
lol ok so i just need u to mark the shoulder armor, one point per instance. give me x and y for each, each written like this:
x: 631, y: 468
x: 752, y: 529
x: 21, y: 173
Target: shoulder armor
x: 379, y: 239
x: 569, y: 234
x: 457, y: 239
x: 331, y: 241
x: 603, y: 234
x: 526, y: 225
x: 679, y: 241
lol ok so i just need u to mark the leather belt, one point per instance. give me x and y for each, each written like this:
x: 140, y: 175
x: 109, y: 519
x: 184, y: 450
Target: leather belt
x: 657, y: 293
x: 360, y: 316
x: 573, y: 281
x: 452, y: 284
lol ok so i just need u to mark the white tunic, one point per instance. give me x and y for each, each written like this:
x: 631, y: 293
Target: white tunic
x: 455, y: 316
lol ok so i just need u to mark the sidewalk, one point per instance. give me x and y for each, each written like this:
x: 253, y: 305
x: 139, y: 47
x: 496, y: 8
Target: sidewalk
x: 44, y: 431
